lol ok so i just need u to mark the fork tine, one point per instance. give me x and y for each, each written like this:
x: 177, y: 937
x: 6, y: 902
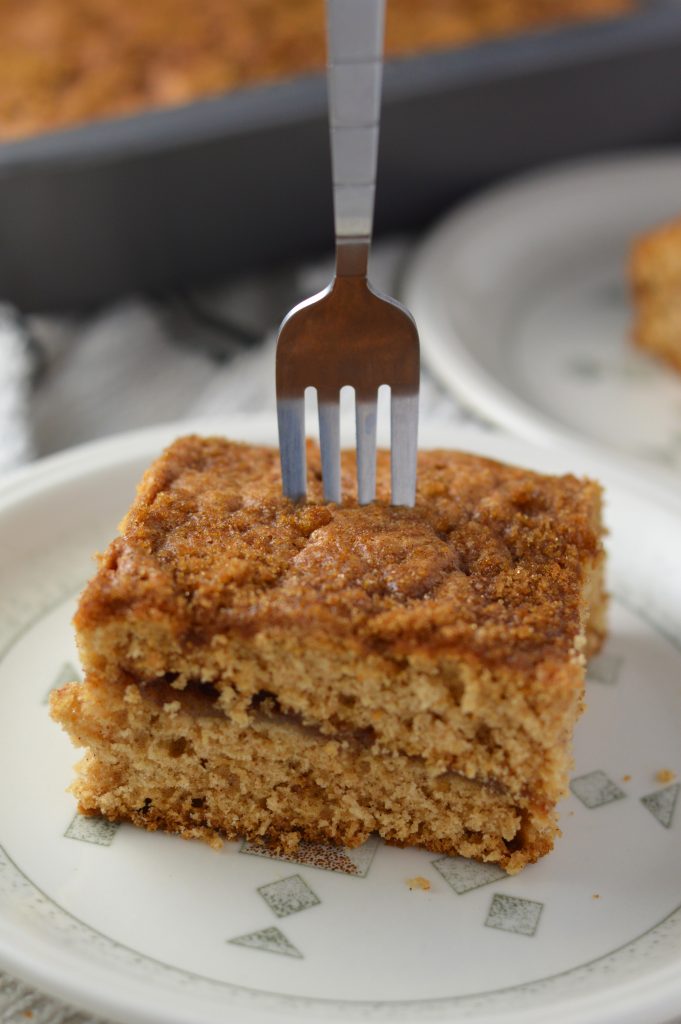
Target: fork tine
x: 404, y: 413
x: 291, y: 419
x: 365, y: 423
x: 329, y: 443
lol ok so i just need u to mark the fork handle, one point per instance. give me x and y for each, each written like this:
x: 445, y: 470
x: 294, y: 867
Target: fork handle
x: 355, y: 31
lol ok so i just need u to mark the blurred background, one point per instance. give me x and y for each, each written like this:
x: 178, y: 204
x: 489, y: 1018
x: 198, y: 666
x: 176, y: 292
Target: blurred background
x: 165, y: 178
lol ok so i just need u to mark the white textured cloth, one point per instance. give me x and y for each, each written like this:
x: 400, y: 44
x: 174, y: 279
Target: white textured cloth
x: 15, y: 374
x: 65, y: 380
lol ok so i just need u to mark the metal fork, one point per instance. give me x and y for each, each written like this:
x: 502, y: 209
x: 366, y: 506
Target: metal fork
x: 349, y: 333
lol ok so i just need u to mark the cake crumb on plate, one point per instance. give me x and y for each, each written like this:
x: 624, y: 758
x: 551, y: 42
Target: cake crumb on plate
x: 418, y: 883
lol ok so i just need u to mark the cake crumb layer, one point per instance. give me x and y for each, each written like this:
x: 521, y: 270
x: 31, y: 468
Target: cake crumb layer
x: 181, y: 766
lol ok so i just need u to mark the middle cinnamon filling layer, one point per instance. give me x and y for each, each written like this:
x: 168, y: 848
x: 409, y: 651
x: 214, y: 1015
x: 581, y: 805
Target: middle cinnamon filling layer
x: 202, y: 700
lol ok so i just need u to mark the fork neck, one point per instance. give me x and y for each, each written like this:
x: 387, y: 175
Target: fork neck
x: 355, y: 30
x: 352, y: 257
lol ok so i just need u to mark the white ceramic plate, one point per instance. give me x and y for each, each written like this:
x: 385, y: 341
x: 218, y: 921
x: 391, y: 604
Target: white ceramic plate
x: 148, y: 928
x: 523, y: 308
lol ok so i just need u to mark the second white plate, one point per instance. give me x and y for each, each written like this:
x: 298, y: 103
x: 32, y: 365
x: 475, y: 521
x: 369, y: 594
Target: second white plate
x: 522, y: 304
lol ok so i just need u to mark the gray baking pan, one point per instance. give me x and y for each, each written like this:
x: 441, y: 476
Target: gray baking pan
x: 183, y: 196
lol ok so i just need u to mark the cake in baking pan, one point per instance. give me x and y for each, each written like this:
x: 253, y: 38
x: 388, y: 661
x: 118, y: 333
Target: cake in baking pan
x: 66, y: 62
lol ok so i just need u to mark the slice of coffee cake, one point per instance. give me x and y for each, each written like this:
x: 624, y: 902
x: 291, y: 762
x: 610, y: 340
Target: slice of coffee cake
x: 279, y: 671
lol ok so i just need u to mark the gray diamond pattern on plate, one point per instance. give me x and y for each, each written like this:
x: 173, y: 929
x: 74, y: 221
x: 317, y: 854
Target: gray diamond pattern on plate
x: 326, y: 857
x: 662, y: 803
x: 463, y: 875
x: 512, y: 914
x: 289, y: 896
x: 269, y: 940
x: 595, y: 789
x: 92, y: 830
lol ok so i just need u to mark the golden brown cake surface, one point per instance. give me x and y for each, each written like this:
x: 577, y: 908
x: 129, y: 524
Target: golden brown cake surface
x: 655, y: 274
x: 487, y: 563
x: 63, y: 62
x: 437, y: 652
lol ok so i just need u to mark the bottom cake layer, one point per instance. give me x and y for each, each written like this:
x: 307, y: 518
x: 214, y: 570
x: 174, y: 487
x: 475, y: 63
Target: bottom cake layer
x: 170, y: 759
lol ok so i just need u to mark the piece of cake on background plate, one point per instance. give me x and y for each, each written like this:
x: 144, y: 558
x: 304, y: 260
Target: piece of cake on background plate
x: 320, y: 672
x: 655, y: 276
